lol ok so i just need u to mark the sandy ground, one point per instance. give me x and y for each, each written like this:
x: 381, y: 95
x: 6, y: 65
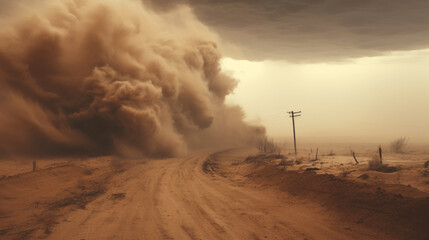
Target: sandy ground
x: 338, y: 160
x: 201, y: 196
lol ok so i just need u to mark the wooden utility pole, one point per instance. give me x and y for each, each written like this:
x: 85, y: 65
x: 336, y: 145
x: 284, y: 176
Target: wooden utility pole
x: 293, y: 115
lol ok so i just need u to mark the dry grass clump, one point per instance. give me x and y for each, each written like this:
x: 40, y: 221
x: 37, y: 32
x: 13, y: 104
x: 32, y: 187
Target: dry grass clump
x: 264, y: 158
x: 284, y: 162
x: 266, y: 145
x: 376, y: 165
x: 398, y: 144
x: 299, y: 160
x: 331, y: 153
x: 345, y: 172
x: 364, y: 176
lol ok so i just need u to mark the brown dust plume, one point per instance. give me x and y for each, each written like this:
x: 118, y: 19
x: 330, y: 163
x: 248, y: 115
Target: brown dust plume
x: 112, y: 77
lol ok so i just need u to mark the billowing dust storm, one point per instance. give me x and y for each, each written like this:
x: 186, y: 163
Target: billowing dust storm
x: 113, y: 77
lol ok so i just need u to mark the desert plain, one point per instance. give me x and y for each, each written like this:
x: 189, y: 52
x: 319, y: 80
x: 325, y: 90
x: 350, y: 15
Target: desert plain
x: 236, y: 193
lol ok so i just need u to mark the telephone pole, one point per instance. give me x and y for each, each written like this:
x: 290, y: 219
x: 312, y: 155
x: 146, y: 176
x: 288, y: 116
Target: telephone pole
x: 293, y: 115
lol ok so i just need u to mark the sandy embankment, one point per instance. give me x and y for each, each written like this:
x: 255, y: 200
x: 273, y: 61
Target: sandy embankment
x: 399, y: 210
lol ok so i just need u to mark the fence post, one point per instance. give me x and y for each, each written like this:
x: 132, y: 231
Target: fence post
x: 354, y: 156
x: 317, y: 151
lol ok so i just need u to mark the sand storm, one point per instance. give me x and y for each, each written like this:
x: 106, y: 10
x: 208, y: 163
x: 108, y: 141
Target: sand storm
x: 103, y: 77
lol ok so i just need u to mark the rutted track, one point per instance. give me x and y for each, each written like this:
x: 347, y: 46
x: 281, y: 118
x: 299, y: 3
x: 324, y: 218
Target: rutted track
x: 177, y: 199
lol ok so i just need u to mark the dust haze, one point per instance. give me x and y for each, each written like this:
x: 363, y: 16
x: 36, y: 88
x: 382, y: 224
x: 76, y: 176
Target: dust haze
x: 112, y: 77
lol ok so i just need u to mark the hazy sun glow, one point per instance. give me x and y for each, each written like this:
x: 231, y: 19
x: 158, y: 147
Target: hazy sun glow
x: 367, y: 99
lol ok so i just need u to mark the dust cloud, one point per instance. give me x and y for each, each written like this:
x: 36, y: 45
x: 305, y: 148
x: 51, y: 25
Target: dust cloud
x: 112, y: 77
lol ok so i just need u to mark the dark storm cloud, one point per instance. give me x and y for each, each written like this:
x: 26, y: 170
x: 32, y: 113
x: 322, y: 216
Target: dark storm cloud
x: 315, y: 30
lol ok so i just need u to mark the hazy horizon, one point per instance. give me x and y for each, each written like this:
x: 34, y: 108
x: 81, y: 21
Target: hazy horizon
x: 371, y: 99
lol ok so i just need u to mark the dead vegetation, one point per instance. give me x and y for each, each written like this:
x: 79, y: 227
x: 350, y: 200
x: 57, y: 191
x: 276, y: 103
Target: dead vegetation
x: 299, y: 160
x: 376, y: 164
x: 266, y: 145
x: 79, y: 200
x: 262, y: 158
x: 331, y: 153
x: 398, y: 144
x: 345, y: 173
x: 364, y: 176
x: 117, y: 196
x: 284, y: 162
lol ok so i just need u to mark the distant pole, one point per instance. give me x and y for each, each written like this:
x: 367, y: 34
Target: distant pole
x: 317, y: 151
x: 293, y: 115
x: 381, y: 154
x: 354, y: 156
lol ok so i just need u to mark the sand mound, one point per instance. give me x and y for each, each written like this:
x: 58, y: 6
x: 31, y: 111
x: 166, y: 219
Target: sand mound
x: 363, y: 203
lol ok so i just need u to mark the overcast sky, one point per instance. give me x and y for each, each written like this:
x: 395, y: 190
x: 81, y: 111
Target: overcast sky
x: 314, y: 30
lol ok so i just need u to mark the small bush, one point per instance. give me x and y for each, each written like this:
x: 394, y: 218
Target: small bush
x: 345, y: 173
x: 398, y: 144
x: 387, y: 169
x: 374, y: 163
x: 364, y: 176
x: 266, y: 145
x: 331, y: 153
x: 284, y: 162
x: 299, y: 160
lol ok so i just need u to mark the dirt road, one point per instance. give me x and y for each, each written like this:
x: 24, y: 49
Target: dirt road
x: 176, y: 199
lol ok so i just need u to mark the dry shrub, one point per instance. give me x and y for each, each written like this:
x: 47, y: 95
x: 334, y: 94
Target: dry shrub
x: 284, y: 162
x: 364, y: 176
x: 266, y: 145
x: 387, y: 169
x: 374, y: 163
x: 398, y: 144
x: 299, y: 160
x: 345, y: 172
x: 331, y: 153
x: 117, y: 196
